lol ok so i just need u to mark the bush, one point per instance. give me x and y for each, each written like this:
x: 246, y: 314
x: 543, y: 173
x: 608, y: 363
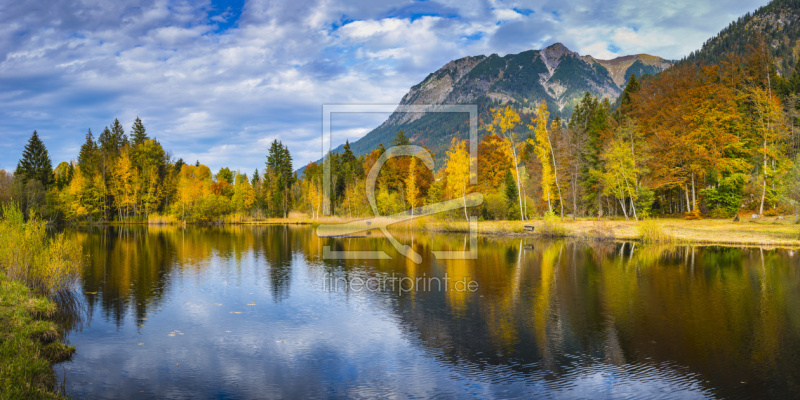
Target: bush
x: 210, y: 208
x: 552, y: 226
x: 726, y: 197
x: 649, y: 231
x: 692, y: 215
x: 49, y: 265
x: 495, y: 206
x: 601, y: 230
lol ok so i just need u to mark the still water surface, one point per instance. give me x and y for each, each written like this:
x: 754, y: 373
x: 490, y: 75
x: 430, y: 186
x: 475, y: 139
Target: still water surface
x: 256, y: 312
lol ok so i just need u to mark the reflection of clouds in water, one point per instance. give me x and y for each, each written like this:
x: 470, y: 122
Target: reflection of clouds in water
x: 617, y: 322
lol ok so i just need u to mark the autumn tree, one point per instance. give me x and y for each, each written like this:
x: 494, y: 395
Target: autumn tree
x: 503, y: 124
x: 244, y: 196
x: 412, y: 190
x: 457, y: 171
x: 543, y: 147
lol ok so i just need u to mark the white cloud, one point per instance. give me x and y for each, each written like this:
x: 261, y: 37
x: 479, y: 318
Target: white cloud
x: 217, y: 95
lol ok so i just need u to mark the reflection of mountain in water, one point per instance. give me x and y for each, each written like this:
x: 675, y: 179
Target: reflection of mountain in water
x: 543, y: 310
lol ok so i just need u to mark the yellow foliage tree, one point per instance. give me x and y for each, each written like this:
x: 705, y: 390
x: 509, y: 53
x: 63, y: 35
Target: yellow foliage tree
x: 543, y: 148
x: 457, y: 171
x: 505, y: 120
x: 243, y: 194
x: 123, y: 183
x: 412, y: 191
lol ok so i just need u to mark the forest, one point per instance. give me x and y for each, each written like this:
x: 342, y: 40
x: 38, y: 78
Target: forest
x: 696, y: 141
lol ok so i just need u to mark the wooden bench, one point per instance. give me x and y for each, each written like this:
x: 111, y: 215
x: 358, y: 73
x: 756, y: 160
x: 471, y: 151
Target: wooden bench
x: 527, y: 228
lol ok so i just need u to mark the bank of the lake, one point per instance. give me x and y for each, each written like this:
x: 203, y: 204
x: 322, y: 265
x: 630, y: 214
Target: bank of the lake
x: 769, y: 231
x: 29, y: 343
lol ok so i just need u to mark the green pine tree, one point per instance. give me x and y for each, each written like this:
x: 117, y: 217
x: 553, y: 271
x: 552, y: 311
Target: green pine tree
x: 35, y: 163
x: 400, y: 139
x: 511, y: 189
x: 139, y: 135
x: 89, y: 156
x: 631, y: 88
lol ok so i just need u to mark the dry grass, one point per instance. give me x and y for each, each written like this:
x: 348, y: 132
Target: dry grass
x: 650, y: 232
x: 159, y: 219
x: 763, y: 232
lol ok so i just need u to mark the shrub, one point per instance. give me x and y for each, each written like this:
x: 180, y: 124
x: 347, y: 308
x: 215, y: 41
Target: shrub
x: 649, y: 231
x: 601, y: 230
x: 49, y: 265
x: 495, y: 206
x: 552, y: 226
x: 210, y: 208
x: 692, y: 215
x: 726, y: 196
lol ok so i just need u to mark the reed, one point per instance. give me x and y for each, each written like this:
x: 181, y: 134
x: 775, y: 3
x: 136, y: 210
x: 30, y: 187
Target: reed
x: 48, y: 264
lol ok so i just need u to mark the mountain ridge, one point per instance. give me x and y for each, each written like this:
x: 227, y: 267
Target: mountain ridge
x: 554, y: 74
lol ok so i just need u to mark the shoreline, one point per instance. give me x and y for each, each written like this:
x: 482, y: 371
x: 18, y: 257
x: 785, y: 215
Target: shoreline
x: 768, y: 231
x: 30, y: 343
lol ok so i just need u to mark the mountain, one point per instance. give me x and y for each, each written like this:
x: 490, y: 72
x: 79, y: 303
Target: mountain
x: 621, y: 68
x: 778, y: 23
x: 554, y: 74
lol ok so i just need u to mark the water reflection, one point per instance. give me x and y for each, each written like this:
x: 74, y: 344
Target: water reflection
x: 246, y: 313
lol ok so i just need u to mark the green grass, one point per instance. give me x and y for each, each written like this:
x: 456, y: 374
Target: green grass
x: 29, y: 343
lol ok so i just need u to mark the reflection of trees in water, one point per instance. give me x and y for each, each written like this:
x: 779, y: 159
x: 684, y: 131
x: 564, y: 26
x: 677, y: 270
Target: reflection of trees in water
x: 129, y: 268
x: 279, y: 244
x: 728, y: 314
x: 722, y: 313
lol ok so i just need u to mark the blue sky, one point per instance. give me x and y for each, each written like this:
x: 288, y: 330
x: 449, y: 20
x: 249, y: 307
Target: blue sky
x: 217, y: 81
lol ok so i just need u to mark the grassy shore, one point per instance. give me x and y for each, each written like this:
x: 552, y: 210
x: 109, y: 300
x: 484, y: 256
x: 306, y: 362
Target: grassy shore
x: 29, y: 343
x: 770, y: 231
x: 764, y: 232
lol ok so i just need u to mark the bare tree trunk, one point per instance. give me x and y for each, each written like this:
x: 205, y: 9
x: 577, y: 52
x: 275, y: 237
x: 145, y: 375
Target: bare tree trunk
x: 574, y: 198
x: 764, y: 188
x: 555, y: 174
x: 694, y: 196
x: 688, y: 204
x: 519, y: 183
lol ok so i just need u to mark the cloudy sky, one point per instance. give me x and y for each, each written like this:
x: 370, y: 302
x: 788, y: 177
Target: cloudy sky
x: 217, y: 81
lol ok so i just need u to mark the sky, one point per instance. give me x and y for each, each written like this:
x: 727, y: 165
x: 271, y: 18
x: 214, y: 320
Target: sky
x: 217, y: 81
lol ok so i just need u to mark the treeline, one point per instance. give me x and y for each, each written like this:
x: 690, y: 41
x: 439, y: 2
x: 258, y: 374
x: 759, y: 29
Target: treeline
x: 133, y: 179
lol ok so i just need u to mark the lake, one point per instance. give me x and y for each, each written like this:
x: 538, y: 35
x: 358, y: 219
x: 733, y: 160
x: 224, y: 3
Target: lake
x: 258, y: 312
